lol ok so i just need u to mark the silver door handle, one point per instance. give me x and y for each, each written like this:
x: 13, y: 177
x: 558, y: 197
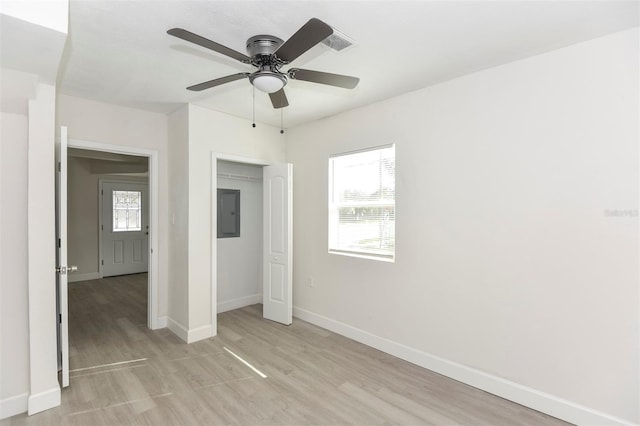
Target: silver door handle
x: 66, y: 269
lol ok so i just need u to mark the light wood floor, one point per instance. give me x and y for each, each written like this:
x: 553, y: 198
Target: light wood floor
x: 314, y: 376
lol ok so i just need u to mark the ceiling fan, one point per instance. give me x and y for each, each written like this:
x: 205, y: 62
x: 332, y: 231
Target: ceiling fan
x: 269, y: 54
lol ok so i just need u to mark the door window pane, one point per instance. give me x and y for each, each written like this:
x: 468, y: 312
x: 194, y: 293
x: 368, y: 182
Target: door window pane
x: 127, y: 211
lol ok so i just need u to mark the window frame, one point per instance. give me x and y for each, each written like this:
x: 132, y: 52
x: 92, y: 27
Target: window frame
x: 334, y: 208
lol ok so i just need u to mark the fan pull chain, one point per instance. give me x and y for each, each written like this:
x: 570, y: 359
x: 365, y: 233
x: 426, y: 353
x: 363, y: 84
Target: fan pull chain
x: 281, y: 121
x: 254, y: 107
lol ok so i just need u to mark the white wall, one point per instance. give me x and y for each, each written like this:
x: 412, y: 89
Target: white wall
x: 29, y: 370
x: 35, y: 53
x: 14, y: 291
x: 100, y: 122
x: 507, y: 263
x: 41, y: 175
x: 239, y: 259
x: 178, y: 312
x: 211, y: 131
x: 82, y: 218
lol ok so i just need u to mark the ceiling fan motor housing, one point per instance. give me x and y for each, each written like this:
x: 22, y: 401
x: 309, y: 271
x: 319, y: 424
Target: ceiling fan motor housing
x: 268, y: 78
x: 263, y: 45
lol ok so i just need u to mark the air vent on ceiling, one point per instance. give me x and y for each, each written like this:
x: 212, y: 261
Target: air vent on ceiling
x: 338, y: 41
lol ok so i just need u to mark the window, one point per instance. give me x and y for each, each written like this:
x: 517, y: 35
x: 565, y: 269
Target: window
x: 127, y: 211
x: 362, y: 203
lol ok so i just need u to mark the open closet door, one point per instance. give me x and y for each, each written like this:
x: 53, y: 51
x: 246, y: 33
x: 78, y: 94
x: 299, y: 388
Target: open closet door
x: 62, y: 270
x: 278, y: 242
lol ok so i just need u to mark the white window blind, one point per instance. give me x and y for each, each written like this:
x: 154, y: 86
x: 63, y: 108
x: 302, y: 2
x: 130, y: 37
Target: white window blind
x: 362, y: 203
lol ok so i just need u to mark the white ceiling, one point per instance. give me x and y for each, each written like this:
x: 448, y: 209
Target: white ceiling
x: 28, y: 53
x: 119, y: 51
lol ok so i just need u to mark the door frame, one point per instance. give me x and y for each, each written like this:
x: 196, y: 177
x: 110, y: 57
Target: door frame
x: 101, y: 181
x: 153, y: 321
x: 215, y: 156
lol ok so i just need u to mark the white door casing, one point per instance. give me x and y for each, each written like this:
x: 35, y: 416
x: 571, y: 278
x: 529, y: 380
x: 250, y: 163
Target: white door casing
x: 61, y: 258
x: 278, y: 243
x: 123, y: 252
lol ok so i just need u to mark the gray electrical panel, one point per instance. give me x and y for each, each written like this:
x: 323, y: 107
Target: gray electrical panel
x: 228, y: 213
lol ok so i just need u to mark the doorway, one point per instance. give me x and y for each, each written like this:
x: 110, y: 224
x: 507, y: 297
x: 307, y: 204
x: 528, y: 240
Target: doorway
x: 239, y: 254
x: 275, y: 214
x: 61, y: 198
x: 123, y: 155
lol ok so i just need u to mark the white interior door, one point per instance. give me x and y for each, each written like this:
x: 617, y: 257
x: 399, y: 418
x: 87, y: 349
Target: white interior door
x: 278, y: 241
x: 125, y: 228
x: 61, y: 258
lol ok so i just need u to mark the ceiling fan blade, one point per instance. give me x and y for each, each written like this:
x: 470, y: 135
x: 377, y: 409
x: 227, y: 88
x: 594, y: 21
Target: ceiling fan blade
x: 279, y: 99
x: 338, y: 80
x: 217, y: 81
x: 310, y: 34
x: 205, y: 42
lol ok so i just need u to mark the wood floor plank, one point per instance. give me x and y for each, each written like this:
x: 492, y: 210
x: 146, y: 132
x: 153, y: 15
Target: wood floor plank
x: 126, y: 374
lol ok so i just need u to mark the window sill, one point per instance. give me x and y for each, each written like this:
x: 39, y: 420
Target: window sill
x: 364, y: 256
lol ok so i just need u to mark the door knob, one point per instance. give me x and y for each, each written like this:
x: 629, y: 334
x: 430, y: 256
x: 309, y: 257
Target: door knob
x: 66, y: 269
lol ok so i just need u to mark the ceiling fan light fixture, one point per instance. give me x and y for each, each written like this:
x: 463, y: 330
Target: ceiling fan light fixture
x: 268, y: 81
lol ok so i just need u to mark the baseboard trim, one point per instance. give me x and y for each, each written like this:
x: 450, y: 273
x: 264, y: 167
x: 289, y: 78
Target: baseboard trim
x: 529, y: 397
x: 240, y: 302
x: 14, y: 405
x: 199, y: 333
x: 160, y: 322
x: 83, y: 277
x: 177, y: 329
x: 43, y: 400
x: 189, y: 336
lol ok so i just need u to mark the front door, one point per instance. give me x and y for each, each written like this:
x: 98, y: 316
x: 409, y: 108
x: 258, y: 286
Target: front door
x: 124, y: 228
